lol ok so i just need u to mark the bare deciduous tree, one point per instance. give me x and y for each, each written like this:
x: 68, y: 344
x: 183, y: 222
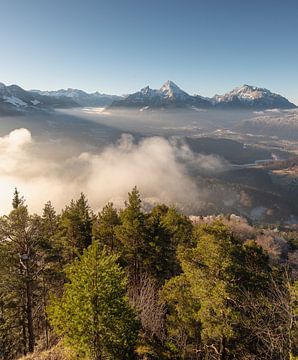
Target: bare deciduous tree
x: 151, y: 310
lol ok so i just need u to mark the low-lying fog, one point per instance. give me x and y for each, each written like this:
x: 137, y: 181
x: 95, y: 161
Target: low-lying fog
x: 104, y: 153
x: 156, y: 122
x: 50, y: 170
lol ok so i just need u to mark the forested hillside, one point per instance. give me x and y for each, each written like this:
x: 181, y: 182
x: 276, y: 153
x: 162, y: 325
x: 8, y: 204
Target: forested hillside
x: 136, y: 284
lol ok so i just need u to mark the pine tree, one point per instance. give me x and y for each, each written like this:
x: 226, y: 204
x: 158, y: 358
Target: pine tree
x: 214, y: 282
x: 17, y: 200
x: 51, y: 276
x: 182, y: 321
x: 179, y: 226
x: 132, y: 234
x: 50, y: 220
x: 226, y: 289
x: 162, y: 252
x: 75, y: 228
x: 104, y: 229
x: 167, y: 229
x: 94, y: 315
x: 19, y: 242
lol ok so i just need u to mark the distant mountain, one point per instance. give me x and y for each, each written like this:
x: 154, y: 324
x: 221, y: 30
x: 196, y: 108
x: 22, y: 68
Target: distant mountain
x: 81, y: 97
x: 168, y: 96
x: 251, y: 97
x: 14, y: 99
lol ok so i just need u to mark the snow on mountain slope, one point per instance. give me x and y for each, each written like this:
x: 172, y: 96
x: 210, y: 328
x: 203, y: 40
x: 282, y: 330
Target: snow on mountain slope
x: 14, y: 96
x: 169, y: 95
x: 81, y: 97
x: 15, y: 99
x: 172, y: 91
x: 251, y: 97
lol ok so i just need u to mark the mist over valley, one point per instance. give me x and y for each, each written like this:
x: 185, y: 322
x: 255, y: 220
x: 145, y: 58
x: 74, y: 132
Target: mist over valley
x: 202, y: 161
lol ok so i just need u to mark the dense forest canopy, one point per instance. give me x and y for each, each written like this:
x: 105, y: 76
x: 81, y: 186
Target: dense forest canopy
x: 135, y: 284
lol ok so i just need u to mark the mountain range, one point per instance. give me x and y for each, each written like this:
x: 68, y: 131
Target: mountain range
x: 170, y: 95
x: 14, y: 99
x: 248, y: 96
x: 81, y: 97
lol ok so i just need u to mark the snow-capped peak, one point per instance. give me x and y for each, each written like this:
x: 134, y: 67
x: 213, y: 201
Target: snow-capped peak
x: 146, y: 90
x: 245, y: 93
x: 171, y: 90
x: 252, y: 96
x: 250, y: 92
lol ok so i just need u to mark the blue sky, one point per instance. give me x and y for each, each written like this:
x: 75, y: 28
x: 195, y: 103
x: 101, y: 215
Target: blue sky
x: 119, y: 46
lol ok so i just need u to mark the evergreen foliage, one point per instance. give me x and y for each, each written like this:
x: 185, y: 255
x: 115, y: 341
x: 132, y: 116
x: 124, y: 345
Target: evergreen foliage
x: 142, y: 284
x: 75, y: 228
x: 94, y: 314
x: 104, y: 229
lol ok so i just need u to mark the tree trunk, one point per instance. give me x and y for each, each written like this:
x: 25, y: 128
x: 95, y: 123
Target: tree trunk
x: 222, y: 349
x: 24, y: 332
x: 23, y: 318
x: 45, y: 315
x: 29, y: 316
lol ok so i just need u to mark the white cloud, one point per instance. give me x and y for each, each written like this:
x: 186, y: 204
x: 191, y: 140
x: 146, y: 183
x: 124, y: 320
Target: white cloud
x: 159, y: 169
